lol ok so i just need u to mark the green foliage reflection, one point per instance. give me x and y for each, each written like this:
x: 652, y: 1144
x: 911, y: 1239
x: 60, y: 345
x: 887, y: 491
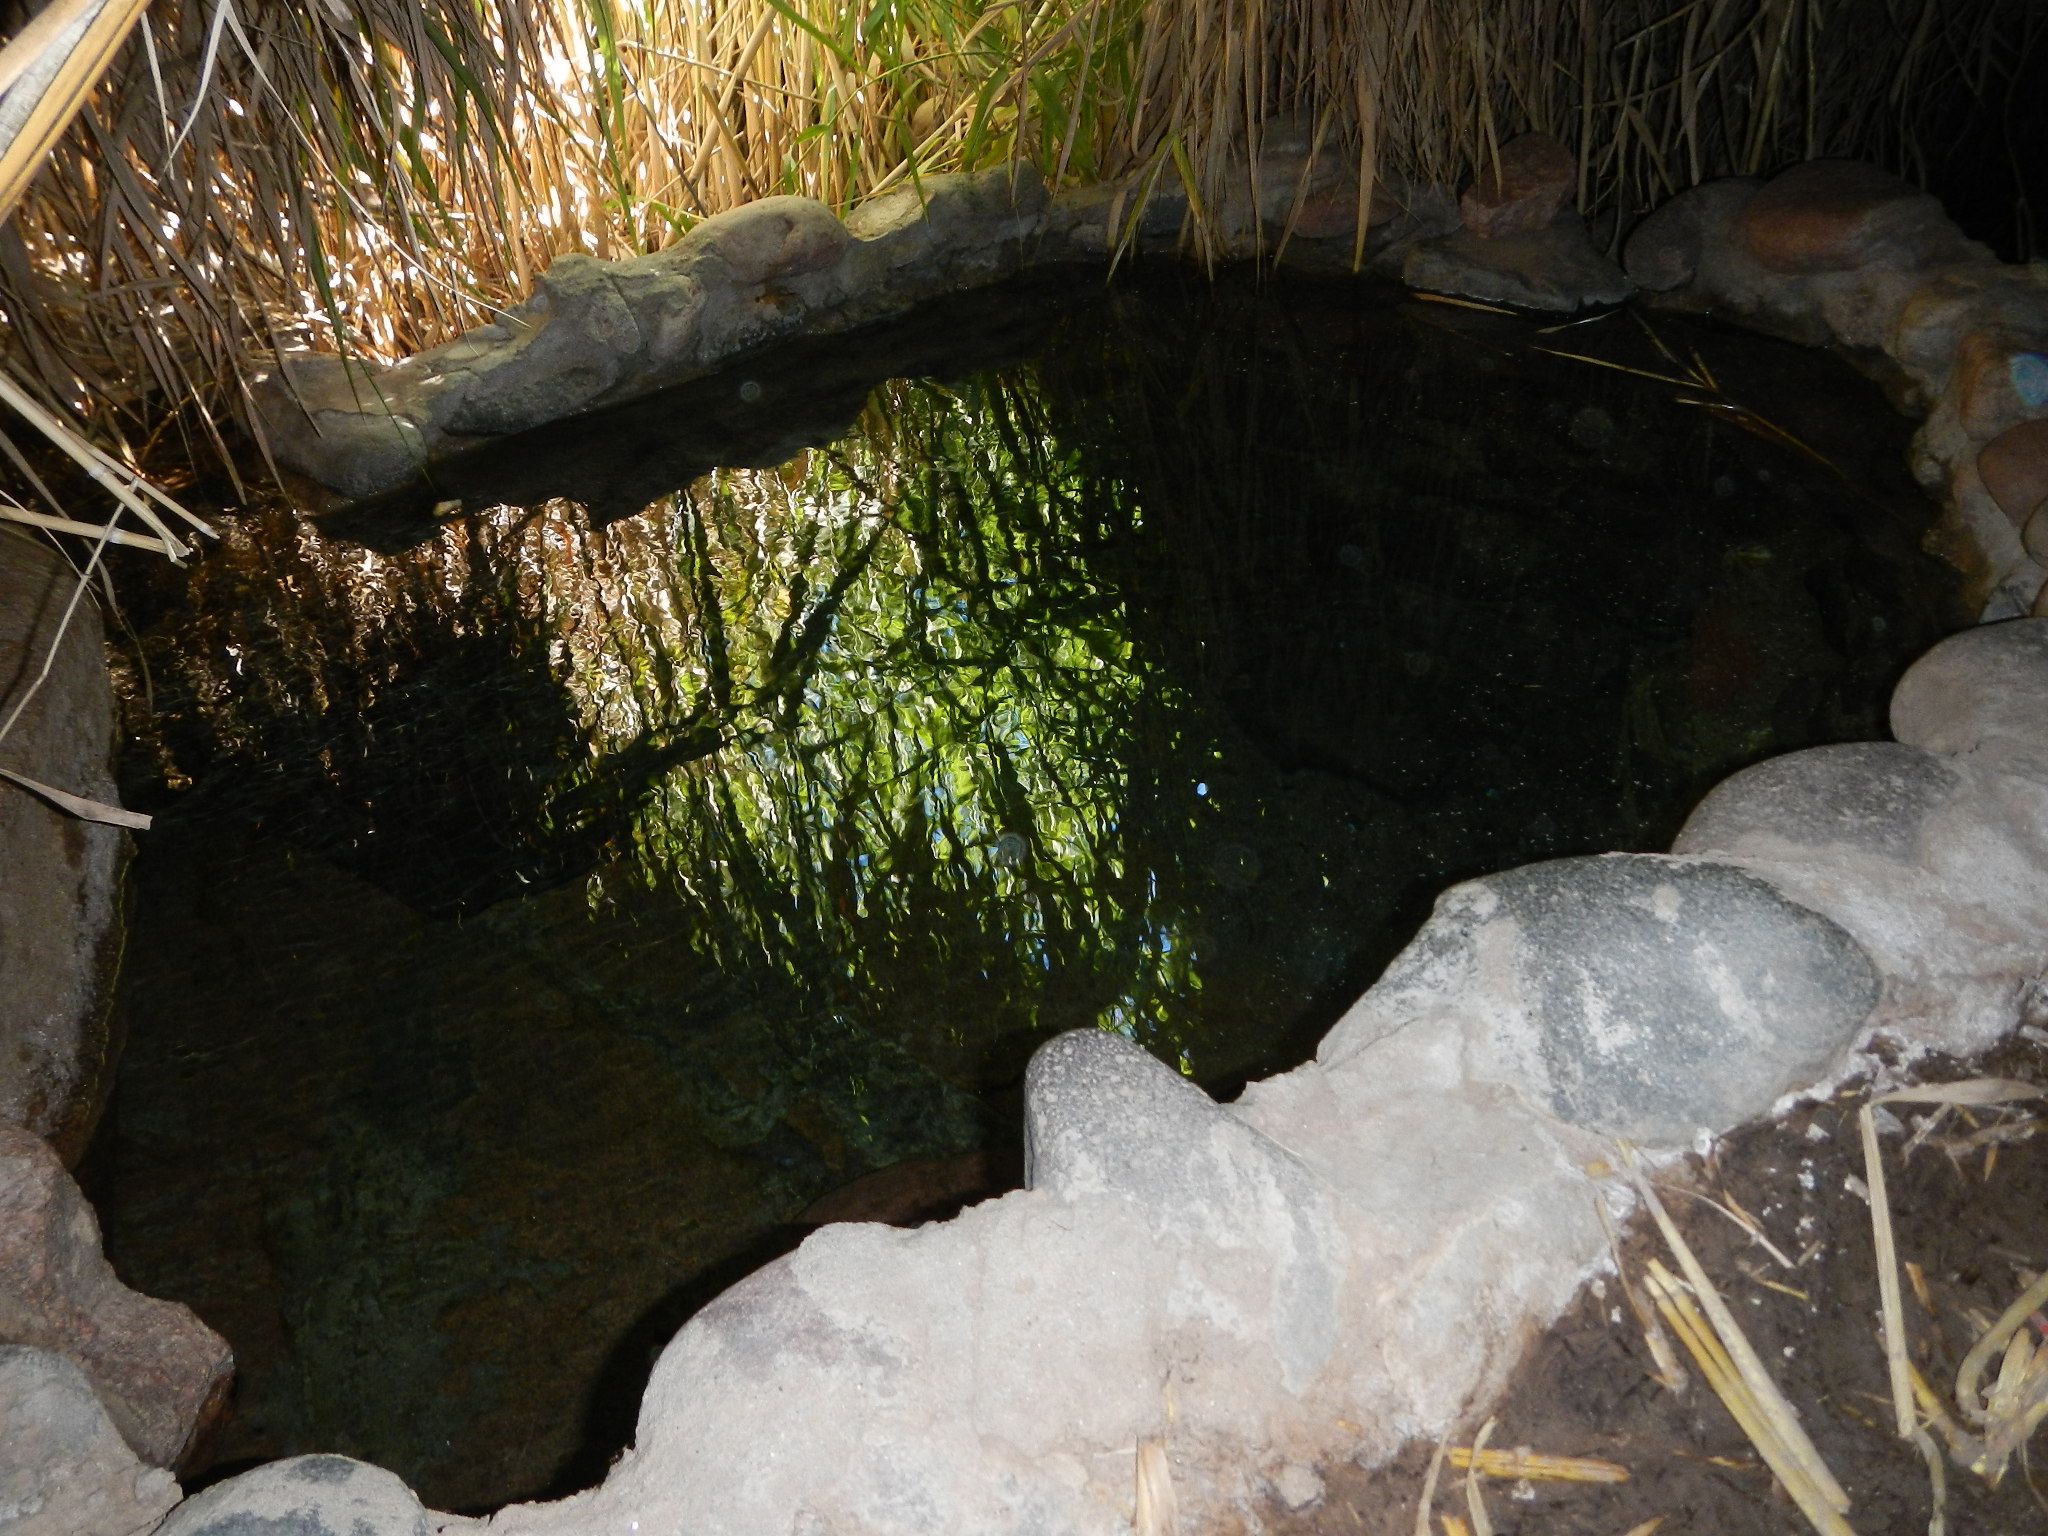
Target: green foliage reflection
x: 925, y: 706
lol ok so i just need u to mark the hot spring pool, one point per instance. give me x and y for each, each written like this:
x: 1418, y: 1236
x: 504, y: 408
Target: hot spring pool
x: 554, y: 897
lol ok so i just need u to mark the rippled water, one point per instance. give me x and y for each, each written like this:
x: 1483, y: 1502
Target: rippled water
x: 554, y: 896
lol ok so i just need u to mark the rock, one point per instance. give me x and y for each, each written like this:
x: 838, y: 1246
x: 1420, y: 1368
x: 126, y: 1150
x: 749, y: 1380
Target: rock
x: 958, y: 228
x: 1084, y: 221
x: 880, y: 1382
x: 2040, y: 608
x: 1979, y: 694
x: 344, y: 423
x: 1554, y: 269
x: 162, y: 1374
x: 1290, y: 170
x: 1533, y: 182
x: 1297, y: 1486
x: 1454, y: 1248
x: 64, y: 1470
x: 2035, y: 534
x: 562, y: 349
x: 667, y: 305
x: 2014, y: 469
x: 2009, y: 302
x: 1937, y: 867
x: 1874, y: 798
x: 910, y: 1193
x: 1631, y: 995
x: 771, y: 240
x: 303, y: 1496
x: 60, y: 897
x: 1103, y: 1116
x: 1837, y: 215
x: 1989, y: 386
x: 1663, y: 252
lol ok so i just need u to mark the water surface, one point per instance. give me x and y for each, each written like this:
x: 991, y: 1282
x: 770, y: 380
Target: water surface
x: 554, y: 895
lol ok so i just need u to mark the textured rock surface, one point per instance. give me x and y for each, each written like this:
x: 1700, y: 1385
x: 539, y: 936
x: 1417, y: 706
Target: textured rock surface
x: 1106, y: 1117
x: 161, y: 1373
x: 1835, y: 215
x: 64, y: 1470
x: 1938, y: 867
x: 1979, y: 694
x: 1663, y: 252
x: 1554, y: 269
x: 60, y: 898
x: 344, y: 424
x: 1633, y: 995
x: 2035, y: 535
x: 951, y: 231
x: 1830, y: 252
x: 2014, y: 469
x: 1533, y: 182
x: 1989, y: 388
x: 946, y: 1379
x: 553, y: 355
x: 1990, y: 297
x: 303, y: 1496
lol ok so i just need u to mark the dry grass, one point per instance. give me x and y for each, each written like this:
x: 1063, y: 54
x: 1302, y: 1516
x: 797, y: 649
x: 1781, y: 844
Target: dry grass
x: 377, y: 175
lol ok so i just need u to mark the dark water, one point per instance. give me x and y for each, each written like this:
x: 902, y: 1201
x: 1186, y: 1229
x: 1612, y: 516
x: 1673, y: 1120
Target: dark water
x: 549, y: 903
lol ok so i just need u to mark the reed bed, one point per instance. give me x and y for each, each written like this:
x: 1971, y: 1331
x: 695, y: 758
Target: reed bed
x: 374, y: 176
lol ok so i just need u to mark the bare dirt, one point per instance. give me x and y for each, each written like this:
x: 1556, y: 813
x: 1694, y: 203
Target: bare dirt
x: 1970, y: 1210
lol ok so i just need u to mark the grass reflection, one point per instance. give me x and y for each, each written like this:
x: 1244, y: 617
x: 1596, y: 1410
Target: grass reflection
x: 911, y: 706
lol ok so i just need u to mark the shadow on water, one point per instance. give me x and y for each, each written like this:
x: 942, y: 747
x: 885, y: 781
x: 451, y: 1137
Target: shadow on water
x: 551, y: 908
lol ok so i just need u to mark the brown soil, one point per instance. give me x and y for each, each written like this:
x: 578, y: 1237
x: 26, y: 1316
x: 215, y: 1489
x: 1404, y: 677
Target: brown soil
x: 1977, y: 1226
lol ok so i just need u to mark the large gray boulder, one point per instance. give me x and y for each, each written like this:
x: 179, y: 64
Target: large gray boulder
x: 162, y: 1374
x: 60, y: 897
x: 64, y: 1469
x: 303, y: 1496
x: 1937, y: 865
x: 1633, y: 995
